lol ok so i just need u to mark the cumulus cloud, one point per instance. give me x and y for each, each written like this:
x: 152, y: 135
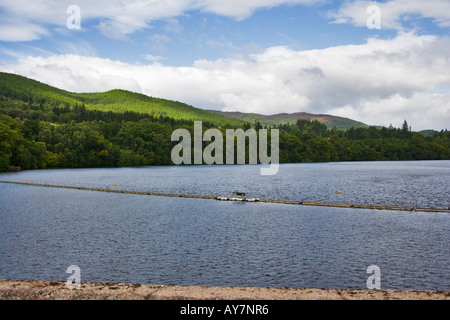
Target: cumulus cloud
x: 423, y: 110
x: 379, y: 82
x: 394, y: 13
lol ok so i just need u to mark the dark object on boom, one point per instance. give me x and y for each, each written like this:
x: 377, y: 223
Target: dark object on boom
x: 241, y: 194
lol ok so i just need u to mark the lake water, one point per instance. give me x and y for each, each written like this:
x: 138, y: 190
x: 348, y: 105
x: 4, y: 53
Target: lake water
x: 158, y: 240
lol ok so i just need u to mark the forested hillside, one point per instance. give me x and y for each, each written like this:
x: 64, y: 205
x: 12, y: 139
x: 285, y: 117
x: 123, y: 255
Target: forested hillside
x: 34, y: 92
x: 44, y: 127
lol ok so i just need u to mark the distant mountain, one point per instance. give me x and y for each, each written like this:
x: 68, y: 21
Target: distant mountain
x: 28, y: 90
x: 285, y: 118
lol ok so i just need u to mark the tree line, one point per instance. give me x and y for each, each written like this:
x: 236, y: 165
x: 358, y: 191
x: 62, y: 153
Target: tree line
x: 35, y: 135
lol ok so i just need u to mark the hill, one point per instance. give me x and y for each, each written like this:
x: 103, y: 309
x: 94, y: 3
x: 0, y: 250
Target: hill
x: 46, y: 127
x: 32, y: 91
x: 285, y: 118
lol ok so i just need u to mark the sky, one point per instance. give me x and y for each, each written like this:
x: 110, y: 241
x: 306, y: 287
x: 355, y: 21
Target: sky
x: 379, y: 62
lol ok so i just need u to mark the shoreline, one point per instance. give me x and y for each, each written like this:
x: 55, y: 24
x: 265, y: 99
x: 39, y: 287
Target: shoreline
x: 56, y: 290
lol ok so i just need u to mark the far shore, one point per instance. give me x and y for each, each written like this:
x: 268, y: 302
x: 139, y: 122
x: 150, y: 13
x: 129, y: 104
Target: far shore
x: 52, y: 290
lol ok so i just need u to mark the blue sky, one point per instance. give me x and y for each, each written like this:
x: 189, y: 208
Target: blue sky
x: 181, y: 40
x: 259, y: 56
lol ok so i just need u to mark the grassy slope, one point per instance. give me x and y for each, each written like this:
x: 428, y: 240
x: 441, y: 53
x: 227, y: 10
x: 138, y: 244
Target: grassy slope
x: 29, y: 90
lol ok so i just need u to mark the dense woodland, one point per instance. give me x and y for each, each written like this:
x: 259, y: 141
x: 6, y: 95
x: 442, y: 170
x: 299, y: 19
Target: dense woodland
x: 36, y: 136
x: 45, y: 127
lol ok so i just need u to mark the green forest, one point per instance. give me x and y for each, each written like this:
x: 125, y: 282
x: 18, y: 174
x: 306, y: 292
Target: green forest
x: 44, y: 127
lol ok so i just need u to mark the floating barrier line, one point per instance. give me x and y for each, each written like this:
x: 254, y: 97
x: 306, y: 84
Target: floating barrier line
x: 237, y: 199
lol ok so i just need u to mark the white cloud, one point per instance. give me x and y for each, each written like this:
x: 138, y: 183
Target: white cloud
x: 21, y: 32
x: 26, y: 20
x: 422, y: 110
x: 393, y: 12
x: 117, y: 19
x: 153, y: 58
x: 379, y: 82
x: 241, y: 9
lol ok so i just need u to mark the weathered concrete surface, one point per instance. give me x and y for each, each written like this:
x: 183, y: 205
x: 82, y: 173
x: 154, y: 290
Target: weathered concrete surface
x: 50, y: 290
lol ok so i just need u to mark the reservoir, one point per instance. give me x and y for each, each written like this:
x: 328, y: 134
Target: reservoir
x: 131, y: 238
